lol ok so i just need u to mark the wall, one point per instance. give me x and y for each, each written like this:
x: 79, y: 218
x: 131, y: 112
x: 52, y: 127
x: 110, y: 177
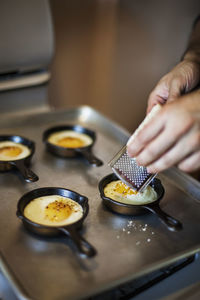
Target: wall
x: 110, y: 54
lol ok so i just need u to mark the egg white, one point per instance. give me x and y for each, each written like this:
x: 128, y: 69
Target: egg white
x: 56, y: 136
x: 147, y: 196
x: 25, y: 151
x: 35, y: 211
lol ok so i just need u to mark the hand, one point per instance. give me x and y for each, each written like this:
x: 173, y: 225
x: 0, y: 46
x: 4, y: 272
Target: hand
x: 181, y: 79
x: 171, y: 138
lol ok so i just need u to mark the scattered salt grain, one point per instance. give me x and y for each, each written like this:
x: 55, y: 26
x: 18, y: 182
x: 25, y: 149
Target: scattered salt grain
x: 128, y: 232
x: 130, y: 224
x: 137, y: 243
x: 148, y: 240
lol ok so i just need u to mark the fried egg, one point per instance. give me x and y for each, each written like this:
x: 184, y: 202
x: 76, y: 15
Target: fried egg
x: 70, y: 139
x: 119, y: 191
x: 53, y: 210
x: 13, y: 151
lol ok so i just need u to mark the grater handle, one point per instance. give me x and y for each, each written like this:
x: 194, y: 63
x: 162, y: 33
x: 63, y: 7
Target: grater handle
x: 171, y: 223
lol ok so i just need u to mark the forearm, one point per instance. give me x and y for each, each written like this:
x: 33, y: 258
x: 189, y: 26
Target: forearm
x: 192, y: 52
x: 184, y: 77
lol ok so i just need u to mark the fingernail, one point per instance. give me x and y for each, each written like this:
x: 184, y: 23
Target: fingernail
x: 130, y: 140
x: 139, y: 163
x: 130, y: 151
x: 151, y: 170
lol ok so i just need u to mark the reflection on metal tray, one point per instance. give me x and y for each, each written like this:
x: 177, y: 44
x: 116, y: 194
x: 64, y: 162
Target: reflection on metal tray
x: 38, y: 268
x: 131, y: 289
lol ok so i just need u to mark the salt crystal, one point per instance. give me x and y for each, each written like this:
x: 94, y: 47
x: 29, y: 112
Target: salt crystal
x: 144, y: 229
x: 152, y: 232
x: 118, y: 236
x: 129, y: 223
x: 148, y: 240
x: 137, y: 243
x: 124, y: 229
x: 128, y: 232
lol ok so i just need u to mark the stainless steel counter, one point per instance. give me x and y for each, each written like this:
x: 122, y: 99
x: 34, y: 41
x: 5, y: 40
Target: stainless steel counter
x: 128, y: 247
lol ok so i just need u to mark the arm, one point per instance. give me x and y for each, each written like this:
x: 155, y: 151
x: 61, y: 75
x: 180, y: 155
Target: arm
x: 184, y: 77
x: 193, y: 50
x: 173, y: 136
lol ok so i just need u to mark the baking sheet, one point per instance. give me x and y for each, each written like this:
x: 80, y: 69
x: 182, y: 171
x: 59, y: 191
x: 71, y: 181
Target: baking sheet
x: 127, y: 247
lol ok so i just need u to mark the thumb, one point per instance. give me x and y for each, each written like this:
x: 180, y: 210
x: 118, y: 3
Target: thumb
x: 174, y: 90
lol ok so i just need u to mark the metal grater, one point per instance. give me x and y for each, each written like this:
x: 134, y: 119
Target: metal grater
x: 129, y: 172
x: 126, y: 167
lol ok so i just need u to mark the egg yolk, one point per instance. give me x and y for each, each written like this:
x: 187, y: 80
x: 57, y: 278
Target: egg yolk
x: 70, y: 142
x: 123, y: 189
x: 10, y: 151
x: 57, y: 211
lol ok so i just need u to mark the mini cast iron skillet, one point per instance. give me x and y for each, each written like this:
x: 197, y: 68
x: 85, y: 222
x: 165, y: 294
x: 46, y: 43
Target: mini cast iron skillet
x: 20, y: 164
x: 86, y: 152
x: 70, y: 230
x: 131, y: 209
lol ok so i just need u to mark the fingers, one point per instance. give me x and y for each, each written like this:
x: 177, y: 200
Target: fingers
x: 188, y: 144
x: 159, y: 95
x: 182, y: 78
x: 149, y: 131
x: 175, y: 90
x: 167, y: 139
x: 153, y: 100
x: 169, y: 124
x: 168, y: 89
x: 191, y: 163
x: 165, y: 149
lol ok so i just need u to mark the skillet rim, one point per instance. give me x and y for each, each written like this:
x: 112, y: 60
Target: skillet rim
x: 91, y: 133
x: 131, y: 206
x: 29, y: 143
x: 20, y: 213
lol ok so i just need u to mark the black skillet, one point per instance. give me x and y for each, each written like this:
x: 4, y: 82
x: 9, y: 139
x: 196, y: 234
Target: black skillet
x: 70, y: 230
x: 86, y: 152
x: 130, y: 209
x: 21, y: 164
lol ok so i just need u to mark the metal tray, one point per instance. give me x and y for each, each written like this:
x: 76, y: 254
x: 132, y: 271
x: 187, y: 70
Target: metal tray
x: 128, y: 247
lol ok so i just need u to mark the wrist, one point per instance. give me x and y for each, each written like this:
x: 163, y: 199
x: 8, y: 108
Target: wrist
x: 192, y: 56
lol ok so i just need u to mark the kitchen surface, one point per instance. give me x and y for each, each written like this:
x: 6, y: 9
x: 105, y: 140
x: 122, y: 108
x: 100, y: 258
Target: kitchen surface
x: 148, y: 242
x: 102, y: 59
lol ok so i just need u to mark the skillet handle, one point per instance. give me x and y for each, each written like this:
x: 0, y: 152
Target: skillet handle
x: 28, y: 175
x: 82, y: 245
x: 171, y: 223
x: 92, y: 160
